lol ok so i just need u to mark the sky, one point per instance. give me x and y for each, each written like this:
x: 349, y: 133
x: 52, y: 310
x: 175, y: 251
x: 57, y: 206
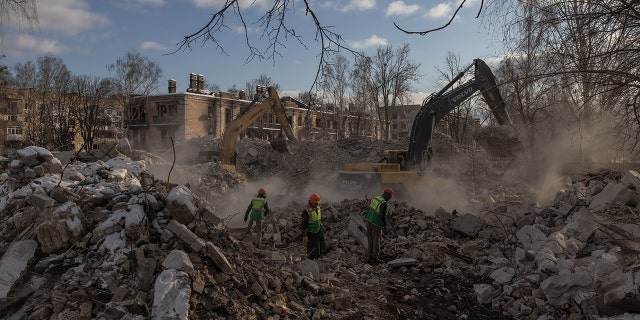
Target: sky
x: 89, y: 35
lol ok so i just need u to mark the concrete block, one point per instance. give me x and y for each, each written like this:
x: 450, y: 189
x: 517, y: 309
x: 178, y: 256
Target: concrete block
x: 186, y: 235
x: 357, y: 228
x: 219, y: 258
x: 41, y: 200
x: 14, y: 263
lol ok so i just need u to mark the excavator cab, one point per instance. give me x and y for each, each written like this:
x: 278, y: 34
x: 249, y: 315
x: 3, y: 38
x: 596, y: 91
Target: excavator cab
x: 395, y: 156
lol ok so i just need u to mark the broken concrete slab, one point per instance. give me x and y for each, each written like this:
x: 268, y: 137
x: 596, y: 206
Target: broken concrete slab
x: 179, y: 260
x: 14, y: 262
x: 357, y: 228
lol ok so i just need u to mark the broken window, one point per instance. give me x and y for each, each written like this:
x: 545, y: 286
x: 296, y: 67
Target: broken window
x: 166, y: 110
x: 13, y: 107
x: 227, y: 116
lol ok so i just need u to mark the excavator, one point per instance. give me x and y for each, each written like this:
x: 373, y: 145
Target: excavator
x: 403, y: 169
x: 270, y: 100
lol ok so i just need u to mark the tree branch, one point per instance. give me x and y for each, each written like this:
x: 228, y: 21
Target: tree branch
x: 422, y: 33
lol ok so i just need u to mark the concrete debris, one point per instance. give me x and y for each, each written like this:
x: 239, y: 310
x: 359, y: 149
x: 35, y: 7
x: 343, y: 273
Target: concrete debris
x: 110, y: 240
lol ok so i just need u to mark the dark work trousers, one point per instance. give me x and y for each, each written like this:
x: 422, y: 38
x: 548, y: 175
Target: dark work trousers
x: 315, y: 244
x: 258, y: 228
x: 373, y: 235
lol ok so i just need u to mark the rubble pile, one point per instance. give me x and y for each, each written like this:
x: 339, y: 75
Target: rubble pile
x: 323, y: 158
x: 108, y: 240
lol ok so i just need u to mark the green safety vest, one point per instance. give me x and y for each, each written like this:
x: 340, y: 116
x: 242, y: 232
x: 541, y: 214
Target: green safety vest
x: 257, y: 208
x: 373, y: 214
x: 315, y: 220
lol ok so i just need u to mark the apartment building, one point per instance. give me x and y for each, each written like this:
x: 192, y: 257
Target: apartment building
x: 11, y: 120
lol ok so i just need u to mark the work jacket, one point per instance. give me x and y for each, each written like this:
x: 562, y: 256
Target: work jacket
x: 314, y: 222
x: 258, y: 208
x: 378, y: 212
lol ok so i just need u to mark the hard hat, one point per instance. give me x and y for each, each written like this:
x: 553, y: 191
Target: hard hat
x: 314, y: 198
x: 261, y: 191
x: 389, y: 191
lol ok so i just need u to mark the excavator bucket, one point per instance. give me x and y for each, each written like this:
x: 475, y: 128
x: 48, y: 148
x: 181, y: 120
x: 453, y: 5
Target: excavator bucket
x: 499, y: 141
x: 279, y: 144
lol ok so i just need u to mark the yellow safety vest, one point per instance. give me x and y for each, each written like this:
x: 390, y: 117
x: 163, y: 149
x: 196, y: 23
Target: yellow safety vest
x: 315, y: 220
x: 373, y: 215
x: 257, y: 208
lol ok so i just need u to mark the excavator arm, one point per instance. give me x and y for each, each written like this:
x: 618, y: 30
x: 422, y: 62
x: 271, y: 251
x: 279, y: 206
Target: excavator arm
x: 253, y: 113
x: 436, y: 106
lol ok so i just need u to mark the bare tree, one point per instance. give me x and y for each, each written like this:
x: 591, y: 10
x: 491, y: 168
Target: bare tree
x: 364, y: 97
x: 459, y: 119
x: 393, y: 75
x: 336, y: 83
x: 309, y: 98
x: 211, y: 86
x: 5, y: 74
x: 52, y: 125
x: 262, y: 80
x: 578, y: 55
x: 55, y: 80
x: 25, y: 75
x: 133, y: 74
x: 92, y: 109
x: 20, y: 13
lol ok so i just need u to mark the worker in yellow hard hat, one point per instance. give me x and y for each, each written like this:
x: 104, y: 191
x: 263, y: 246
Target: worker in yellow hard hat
x: 311, y: 224
x: 258, y: 209
x: 377, y: 215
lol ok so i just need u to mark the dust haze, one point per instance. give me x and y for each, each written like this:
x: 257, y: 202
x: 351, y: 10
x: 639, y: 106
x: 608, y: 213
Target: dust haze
x: 557, y: 153
x: 457, y: 179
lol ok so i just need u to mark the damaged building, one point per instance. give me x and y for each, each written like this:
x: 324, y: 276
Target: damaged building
x: 197, y: 112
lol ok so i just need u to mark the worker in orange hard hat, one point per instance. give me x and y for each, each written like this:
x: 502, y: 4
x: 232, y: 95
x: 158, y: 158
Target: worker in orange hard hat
x: 259, y: 209
x: 311, y: 224
x: 377, y: 217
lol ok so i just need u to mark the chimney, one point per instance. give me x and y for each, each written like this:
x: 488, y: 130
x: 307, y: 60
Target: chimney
x: 193, y: 81
x: 200, y: 82
x: 172, y: 86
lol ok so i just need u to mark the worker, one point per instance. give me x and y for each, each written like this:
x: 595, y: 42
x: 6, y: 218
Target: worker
x: 259, y: 209
x: 311, y: 224
x: 377, y: 216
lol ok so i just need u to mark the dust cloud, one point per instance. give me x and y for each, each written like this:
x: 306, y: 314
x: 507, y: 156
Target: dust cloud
x: 438, y: 192
x: 558, y: 153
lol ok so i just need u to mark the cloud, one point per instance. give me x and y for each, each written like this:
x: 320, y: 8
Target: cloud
x: 152, y: 45
x: 440, y: 11
x: 155, y: 3
x: 68, y: 16
x: 140, y: 5
x: 373, y: 41
x: 399, y: 8
x: 28, y: 44
x: 358, y: 5
x: 238, y: 28
x: 219, y: 3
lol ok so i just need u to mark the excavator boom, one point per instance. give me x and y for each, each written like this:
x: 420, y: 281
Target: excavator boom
x: 437, y: 106
x: 253, y: 113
